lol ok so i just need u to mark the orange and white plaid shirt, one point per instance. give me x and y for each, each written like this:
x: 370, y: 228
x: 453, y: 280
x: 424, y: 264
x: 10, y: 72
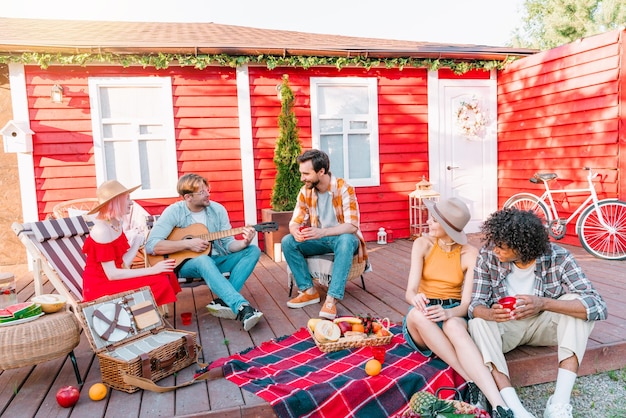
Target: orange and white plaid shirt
x: 344, y: 202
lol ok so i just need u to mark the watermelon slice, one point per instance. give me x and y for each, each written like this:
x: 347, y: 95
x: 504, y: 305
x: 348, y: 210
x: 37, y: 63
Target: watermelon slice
x: 5, y: 314
x: 24, y: 309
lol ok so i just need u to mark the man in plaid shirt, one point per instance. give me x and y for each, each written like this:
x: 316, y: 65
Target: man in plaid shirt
x: 556, y: 305
x: 325, y: 220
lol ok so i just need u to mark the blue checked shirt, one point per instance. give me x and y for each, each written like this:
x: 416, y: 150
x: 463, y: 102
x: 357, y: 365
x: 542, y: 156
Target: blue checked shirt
x: 178, y: 215
x: 556, y: 274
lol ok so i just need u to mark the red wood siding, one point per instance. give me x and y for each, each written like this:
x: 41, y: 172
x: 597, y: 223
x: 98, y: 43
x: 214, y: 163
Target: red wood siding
x: 206, y: 129
x: 403, y: 135
x: 559, y: 111
x: 206, y: 123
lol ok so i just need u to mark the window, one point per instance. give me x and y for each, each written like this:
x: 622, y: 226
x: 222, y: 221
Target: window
x: 133, y: 133
x: 344, y: 121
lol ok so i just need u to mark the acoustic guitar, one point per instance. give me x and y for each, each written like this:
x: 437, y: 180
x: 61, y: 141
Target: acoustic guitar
x: 201, y: 231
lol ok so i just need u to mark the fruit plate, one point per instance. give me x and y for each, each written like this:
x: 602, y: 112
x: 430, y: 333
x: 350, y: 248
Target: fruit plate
x: 20, y: 321
x: 344, y: 342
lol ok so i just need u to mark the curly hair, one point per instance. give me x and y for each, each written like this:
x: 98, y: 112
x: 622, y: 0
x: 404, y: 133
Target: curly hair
x: 520, y: 230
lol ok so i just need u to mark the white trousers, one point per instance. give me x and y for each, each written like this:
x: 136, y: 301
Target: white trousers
x: 546, y: 329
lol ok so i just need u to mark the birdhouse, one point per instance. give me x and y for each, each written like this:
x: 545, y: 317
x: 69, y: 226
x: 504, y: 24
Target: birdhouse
x: 418, y: 212
x: 17, y: 137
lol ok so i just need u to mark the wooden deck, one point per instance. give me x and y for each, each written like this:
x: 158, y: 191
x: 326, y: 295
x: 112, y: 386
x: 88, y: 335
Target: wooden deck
x: 30, y: 391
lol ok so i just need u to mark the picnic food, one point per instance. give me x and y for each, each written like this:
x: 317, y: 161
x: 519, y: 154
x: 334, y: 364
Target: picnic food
x: 97, y: 392
x: 426, y: 405
x: 348, y: 319
x: 50, y: 303
x: 326, y: 331
x: 358, y: 328
x: 19, y: 311
x: 373, y: 367
x: 67, y: 396
x: 312, y: 322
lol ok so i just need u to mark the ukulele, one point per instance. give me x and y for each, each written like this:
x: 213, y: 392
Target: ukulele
x: 201, y: 231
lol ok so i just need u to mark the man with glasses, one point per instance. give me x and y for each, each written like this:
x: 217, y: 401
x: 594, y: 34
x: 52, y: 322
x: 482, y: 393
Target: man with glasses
x: 223, y: 255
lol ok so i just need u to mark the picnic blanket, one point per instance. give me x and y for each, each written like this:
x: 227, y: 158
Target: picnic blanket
x: 299, y: 380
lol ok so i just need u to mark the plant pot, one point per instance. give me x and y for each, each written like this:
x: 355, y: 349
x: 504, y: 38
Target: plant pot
x: 272, y: 239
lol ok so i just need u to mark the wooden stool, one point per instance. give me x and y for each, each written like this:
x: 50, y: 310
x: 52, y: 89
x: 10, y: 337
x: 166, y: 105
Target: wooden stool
x: 45, y: 338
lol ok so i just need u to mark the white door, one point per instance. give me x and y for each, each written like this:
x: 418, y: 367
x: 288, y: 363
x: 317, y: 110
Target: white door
x: 462, y: 143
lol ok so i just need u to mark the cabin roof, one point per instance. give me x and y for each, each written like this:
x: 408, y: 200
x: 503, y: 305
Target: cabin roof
x: 75, y: 37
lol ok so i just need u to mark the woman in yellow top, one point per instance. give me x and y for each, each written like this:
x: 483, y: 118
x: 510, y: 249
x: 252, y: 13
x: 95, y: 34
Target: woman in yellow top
x: 439, y: 291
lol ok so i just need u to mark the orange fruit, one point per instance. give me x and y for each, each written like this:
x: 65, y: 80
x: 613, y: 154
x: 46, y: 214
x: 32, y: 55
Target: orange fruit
x: 373, y: 367
x: 358, y: 328
x: 97, y: 392
x: 376, y: 326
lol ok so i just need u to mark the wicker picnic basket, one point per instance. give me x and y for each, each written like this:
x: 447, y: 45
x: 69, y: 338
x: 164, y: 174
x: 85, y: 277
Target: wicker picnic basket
x: 148, y: 350
x: 342, y: 343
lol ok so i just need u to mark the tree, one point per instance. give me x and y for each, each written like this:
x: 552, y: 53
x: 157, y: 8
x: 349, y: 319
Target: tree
x: 286, y: 152
x: 550, y: 23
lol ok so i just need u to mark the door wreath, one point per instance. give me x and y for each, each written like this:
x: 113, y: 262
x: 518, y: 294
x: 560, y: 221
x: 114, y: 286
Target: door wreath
x: 470, y: 119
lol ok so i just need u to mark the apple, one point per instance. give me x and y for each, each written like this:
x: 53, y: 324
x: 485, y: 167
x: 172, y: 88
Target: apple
x: 344, y: 326
x: 67, y: 396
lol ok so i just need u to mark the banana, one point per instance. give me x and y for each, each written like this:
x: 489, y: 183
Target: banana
x: 312, y: 323
x: 350, y: 319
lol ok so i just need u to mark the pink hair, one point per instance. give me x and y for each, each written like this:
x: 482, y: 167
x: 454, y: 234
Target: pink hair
x: 115, y: 208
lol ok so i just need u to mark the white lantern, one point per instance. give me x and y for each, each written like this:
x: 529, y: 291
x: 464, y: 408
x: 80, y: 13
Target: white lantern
x: 418, y: 214
x: 382, y: 236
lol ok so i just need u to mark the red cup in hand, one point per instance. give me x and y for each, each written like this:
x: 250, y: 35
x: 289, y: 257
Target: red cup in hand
x: 508, y: 302
x: 303, y: 227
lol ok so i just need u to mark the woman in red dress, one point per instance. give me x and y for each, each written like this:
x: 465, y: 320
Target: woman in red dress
x: 109, y: 253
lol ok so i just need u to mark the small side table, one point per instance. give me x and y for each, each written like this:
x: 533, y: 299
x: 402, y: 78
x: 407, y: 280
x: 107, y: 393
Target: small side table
x: 43, y: 339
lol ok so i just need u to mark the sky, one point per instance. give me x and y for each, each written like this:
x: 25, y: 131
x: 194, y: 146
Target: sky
x: 479, y: 22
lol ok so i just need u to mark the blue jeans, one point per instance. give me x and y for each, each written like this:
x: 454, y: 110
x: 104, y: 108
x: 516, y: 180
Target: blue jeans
x: 239, y: 264
x: 344, y: 247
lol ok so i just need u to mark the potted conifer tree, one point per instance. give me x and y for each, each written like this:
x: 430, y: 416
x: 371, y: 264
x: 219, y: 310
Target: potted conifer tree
x: 287, y: 182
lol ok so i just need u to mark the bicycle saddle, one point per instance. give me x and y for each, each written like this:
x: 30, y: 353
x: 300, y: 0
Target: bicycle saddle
x: 543, y: 177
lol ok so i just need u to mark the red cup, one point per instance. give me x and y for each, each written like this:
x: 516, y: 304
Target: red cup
x: 378, y: 353
x: 186, y: 318
x: 508, y: 302
x: 302, y: 227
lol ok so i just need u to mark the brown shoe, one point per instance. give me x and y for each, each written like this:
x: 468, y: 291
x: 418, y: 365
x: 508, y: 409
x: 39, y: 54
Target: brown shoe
x: 304, y: 299
x: 329, y: 311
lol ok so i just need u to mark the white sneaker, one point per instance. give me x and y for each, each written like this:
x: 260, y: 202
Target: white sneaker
x: 220, y: 309
x: 557, y: 410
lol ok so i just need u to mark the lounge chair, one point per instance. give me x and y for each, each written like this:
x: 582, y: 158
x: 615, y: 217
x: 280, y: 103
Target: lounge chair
x: 55, y: 246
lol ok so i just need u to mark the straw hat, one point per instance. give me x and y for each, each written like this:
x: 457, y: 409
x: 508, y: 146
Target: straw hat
x: 108, y: 191
x: 452, y: 214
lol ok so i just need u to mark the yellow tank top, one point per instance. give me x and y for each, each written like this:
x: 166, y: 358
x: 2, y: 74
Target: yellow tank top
x: 442, y: 275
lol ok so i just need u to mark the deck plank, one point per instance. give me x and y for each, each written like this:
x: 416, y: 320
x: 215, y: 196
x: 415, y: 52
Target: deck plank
x: 30, y: 391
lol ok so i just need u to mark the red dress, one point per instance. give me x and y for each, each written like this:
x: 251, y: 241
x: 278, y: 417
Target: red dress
x: 164, y: 286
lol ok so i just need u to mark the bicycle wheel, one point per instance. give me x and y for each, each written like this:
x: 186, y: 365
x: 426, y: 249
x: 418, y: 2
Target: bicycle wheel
x: 607, y: 242
x: 528, y: 201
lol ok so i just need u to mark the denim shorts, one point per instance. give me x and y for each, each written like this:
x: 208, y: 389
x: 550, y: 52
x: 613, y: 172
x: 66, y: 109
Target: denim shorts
x: 447, y: 304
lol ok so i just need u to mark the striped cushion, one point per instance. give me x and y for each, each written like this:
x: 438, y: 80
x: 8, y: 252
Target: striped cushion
x: 59, y: 228
x: 61, y: 242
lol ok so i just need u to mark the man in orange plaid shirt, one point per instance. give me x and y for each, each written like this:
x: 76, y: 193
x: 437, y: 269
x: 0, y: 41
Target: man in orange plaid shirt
x: 326, y: 219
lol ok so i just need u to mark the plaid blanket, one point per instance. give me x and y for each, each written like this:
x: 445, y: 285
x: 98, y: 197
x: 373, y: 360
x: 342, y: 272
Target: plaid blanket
x: 299, y: 380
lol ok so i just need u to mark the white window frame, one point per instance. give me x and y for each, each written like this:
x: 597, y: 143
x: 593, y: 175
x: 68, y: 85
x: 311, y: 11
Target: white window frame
x: 165, y: 119
x: 371, y: 117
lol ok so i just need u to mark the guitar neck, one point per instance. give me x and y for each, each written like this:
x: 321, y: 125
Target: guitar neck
x: 212, y: 236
